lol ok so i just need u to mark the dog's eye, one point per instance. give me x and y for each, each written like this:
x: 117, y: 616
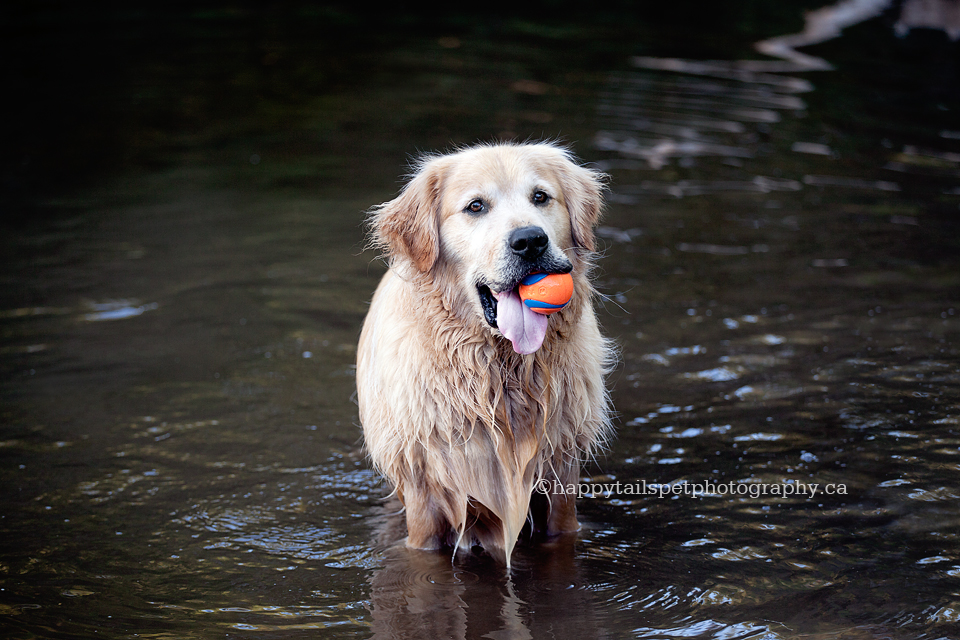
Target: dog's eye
x: 476, y: 206
x: 540, y: 197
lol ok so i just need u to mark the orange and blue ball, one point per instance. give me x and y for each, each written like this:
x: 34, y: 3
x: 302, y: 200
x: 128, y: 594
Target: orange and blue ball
x: 546, y: 293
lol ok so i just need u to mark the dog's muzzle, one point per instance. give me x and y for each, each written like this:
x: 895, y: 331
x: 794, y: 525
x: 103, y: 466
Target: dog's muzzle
x: 500, y: 301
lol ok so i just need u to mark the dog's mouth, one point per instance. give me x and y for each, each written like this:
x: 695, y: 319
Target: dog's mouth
x: 504, y: 311
x: 488, y: 302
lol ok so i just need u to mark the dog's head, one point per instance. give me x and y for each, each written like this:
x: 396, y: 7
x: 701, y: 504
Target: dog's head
x: 488, y: 216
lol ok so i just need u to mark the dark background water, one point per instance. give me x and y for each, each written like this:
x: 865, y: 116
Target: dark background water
x: 183, y: 281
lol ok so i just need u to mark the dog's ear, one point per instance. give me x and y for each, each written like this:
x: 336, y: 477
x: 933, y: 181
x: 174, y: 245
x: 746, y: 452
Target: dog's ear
x: 583, y: 195
x: 409, y: 225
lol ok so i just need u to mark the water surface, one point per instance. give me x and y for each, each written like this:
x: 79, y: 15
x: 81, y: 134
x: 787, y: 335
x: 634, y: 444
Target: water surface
x: 183, y: 286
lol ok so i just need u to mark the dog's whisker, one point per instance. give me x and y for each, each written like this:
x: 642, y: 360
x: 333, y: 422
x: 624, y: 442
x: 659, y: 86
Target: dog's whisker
x: 608, y: 299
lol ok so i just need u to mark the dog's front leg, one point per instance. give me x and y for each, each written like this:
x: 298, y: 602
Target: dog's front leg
x: 562, y: 514
x: 425, y: 528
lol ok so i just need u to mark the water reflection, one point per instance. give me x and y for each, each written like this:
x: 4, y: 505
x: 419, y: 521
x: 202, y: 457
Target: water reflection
x: 827, y: 23
x: 418, y: 594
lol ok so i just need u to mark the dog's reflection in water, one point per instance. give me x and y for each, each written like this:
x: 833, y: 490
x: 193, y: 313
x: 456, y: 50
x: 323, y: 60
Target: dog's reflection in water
x: 430, y: 594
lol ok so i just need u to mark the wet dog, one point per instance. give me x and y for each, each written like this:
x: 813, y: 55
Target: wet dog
x: 468, y: 399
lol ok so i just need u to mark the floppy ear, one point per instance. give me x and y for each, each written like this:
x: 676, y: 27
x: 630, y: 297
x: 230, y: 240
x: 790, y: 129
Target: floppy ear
x: 408, y: 227
x: 583, y: 195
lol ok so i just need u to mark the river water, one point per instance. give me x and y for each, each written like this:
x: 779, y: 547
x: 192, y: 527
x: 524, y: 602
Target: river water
x: 184, y: 279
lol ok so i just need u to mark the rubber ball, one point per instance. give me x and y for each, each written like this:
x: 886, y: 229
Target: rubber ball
x: 546, y: 293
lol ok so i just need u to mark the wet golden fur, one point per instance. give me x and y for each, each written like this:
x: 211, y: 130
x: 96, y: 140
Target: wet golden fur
x: 460, y: 424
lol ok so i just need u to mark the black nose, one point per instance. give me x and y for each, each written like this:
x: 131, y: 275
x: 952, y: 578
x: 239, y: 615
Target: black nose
x: 528, y: 242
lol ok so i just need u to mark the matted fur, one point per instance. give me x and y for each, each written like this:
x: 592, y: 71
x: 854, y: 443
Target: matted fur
x: 461, y: 424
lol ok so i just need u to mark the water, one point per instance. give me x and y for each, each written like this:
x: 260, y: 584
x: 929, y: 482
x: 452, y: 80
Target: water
x: 184, y: 281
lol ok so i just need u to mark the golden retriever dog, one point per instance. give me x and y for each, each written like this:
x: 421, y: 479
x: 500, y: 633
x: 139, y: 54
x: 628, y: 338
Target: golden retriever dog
x: 468, y: 399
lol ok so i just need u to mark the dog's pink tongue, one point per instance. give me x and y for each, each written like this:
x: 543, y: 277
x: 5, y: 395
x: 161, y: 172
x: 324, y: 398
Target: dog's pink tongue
x: 521, y: 326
